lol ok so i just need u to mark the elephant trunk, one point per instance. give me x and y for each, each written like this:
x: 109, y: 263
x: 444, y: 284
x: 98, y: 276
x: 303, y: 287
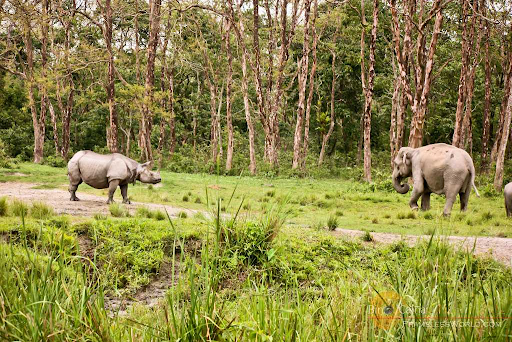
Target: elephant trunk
x: 399, y: 187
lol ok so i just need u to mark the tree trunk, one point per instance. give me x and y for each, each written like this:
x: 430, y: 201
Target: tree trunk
x: 487, y: 104
x: 368, y: 88
x: 229, y: 77
x: 325, y: 137
x: 112, y: 130
x: 147, y: 115
x: 506, y: 90
x: 424, y: 77
x: 466, y: 49
x: 240, y: 32
x: 498, y: 178
x: 303, y: 67
x: 311, y: 87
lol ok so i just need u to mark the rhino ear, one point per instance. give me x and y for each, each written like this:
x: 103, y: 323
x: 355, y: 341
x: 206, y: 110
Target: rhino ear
x: 146, y: 165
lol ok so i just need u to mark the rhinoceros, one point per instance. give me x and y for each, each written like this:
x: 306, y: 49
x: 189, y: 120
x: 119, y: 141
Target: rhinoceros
x: 107, y: 171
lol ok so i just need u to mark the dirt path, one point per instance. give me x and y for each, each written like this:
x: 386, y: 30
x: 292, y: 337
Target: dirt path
x: 89, y: 204
x: 498, y: 248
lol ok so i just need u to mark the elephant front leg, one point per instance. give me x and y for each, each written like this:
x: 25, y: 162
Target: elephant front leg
x: 124, y: 193
x: 112, y: 186
x: 417, y: 191
x: 425, y: 201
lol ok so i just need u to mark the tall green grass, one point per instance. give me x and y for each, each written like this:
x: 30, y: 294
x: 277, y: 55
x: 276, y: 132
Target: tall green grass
x: 252, y: 279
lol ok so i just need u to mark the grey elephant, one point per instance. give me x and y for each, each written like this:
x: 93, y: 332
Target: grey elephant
x: 507, y: 192
x: 437, y: 168
x: 107, y: 171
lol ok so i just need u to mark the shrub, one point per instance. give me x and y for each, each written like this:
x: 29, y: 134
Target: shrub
x: 144, y: 212
x: 185, y: 198
x: 198, y: 200
x: 367, y: 236
x: 19, y: 208
x: 100, y: 216
x: 117, y: 210
x: 332, y: 223
x: 487, y: 216
x: 428, y: 216
x: 182, y: 214
x: 375, y: 220
x: 159, y: 215
x: 271, y: 193
x: 4, y: 206
x: 40, y: 210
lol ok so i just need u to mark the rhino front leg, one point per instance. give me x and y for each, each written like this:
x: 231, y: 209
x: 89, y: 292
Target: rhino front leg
x: 112, y: 186
x: 124, y: 193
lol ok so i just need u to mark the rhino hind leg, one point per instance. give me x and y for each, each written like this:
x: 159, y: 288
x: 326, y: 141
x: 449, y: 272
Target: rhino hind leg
x: 124, y: 193
x: 74, y: 181
x: 112, y: 186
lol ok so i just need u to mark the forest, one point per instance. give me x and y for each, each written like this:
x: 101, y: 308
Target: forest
x: 256, y: 87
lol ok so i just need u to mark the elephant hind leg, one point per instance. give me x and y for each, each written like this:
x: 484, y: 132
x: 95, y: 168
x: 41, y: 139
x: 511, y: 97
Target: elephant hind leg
x: 508, y: 206
x: 425, y: 201
x: 451, y: 196
x: 464, y: 199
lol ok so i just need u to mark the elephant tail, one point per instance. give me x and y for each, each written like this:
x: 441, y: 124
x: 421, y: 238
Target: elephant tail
x: 473, y: 182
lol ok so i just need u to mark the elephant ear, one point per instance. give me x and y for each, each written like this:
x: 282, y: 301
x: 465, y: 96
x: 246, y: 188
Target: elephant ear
x: 409, y: 154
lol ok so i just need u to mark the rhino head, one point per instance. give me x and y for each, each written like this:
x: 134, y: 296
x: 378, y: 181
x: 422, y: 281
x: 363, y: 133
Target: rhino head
x: 145, y: 175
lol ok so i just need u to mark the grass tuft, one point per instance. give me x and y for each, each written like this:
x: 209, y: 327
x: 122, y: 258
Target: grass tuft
x: 40, y: 210
x: 182, y: 214
x: 185, y: 198
x: 19, y: 208
x: 332, y: 223
x: 4, y: 206
x: 117, y: 210
x: 367, y: 237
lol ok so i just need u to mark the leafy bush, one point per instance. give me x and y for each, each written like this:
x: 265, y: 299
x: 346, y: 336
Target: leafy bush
x: 40, y: 210
x: 55, y: 161
x: 19, y: 208
x: 4, y: 206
